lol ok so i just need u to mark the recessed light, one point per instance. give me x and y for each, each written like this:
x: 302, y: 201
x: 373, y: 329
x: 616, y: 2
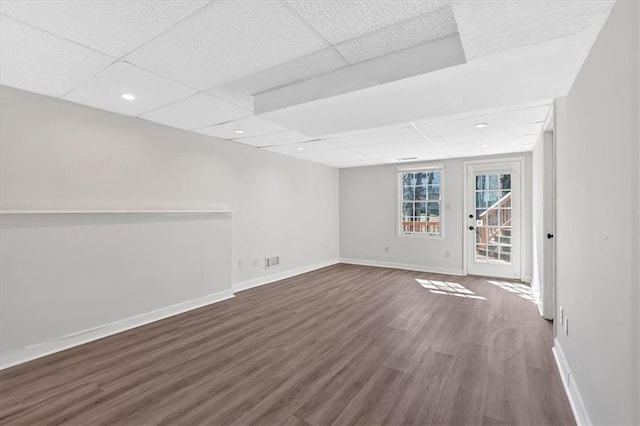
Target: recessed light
x: 239, y: 131
x: 300, y: 148
x: 128, y: 97
x: 480, y: 125
x: 484, y: 146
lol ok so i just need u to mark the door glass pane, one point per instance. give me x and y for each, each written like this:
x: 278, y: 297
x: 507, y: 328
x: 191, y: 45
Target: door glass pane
x: 421, y: 192
x: 480, y: 200
x: 493, y: 218
x: 505, y: 181
x: 493, y: 181
x: 492, y: 197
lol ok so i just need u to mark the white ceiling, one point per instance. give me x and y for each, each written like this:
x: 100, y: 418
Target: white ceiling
x: 511, y: 130
x: 197, y: 65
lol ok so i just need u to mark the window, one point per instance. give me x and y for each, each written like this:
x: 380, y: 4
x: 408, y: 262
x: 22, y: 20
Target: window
x: 420, y: 201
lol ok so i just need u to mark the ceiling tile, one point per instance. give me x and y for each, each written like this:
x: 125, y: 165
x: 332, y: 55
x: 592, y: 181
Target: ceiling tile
x: 273, y: 139
x: 350, y: 163
x: 397, y: 149
x: 151, y: 91
x: 322, y: 153
x: 37, y: 61
x: 242, y: 90
x: 494, y: 120
x: 251, y: 125
x: 308, y: 148
x: 338, y: 21
x: 407, y: 133
x: 112, y: 27
x: 228, y: 40
x: 425, y: 28
x: 506, y: 136
x: 493, y: 26
x: 195, y: 112
x: 336, y: 155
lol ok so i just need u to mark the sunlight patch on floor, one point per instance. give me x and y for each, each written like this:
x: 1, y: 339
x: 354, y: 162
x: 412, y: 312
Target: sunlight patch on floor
x: 521, y: 290
x: 449, y: 289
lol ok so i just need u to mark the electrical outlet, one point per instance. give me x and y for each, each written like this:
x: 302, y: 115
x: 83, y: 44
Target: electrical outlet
x: 240, y: 264
x: 255, y: 262
x: 566, y: 326
x: 386, y: 249
x: 561, y: 315
x: 270, y: 262
x: 447, y: 254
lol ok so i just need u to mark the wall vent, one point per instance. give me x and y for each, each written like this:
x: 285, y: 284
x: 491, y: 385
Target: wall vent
x: 270, y: 262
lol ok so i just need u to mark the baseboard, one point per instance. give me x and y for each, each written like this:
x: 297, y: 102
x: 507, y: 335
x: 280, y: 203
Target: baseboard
x: 526, y: 279
x: 29, y: 353
x: 408, y: 267
x: 40, y: 350
x: 257, y: 282
x: 570, y: 387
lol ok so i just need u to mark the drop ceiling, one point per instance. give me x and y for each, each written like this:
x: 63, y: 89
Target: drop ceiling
x: 201, y: 66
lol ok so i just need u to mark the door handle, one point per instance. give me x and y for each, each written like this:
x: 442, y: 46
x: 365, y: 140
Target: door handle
x: 549, y: 236
x: 471, y: 228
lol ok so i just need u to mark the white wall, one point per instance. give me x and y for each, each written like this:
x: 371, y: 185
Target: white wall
x: 598, y: 224
x: 64, y: 274
x: 60, y: 155
x: 368, y: 207
x: 636, y: 207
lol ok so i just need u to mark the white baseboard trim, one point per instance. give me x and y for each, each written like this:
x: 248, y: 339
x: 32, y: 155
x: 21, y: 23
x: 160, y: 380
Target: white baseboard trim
x: 408, y: 267
x: 29, y: 353
x: 570, y: 387
x: 257, y: 282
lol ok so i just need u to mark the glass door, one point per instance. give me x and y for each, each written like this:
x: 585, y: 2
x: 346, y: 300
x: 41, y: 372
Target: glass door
x: 493, y: 219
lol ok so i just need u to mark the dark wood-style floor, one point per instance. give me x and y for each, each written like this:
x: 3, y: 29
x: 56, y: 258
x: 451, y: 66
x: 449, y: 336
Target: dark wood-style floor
x: 342, y: 345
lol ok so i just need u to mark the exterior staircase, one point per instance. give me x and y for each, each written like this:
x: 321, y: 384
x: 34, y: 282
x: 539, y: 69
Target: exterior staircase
x: 493, y: 238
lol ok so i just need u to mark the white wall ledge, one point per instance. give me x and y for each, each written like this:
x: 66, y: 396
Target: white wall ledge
x: 34, y: 212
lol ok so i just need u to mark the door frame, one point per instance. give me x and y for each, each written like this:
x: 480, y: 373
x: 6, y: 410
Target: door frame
x: 465, y: 204
x: 547, y: 280
x: 547, y: 300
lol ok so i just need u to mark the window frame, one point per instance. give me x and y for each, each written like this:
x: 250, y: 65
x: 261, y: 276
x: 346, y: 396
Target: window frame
x: 400, y: 233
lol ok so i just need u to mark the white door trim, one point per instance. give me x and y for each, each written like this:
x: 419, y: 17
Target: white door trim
x: 465, y: 189
x: 547, y: 284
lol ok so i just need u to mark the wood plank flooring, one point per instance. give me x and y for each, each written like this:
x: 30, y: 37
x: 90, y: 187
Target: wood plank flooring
x: 342, y: 345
